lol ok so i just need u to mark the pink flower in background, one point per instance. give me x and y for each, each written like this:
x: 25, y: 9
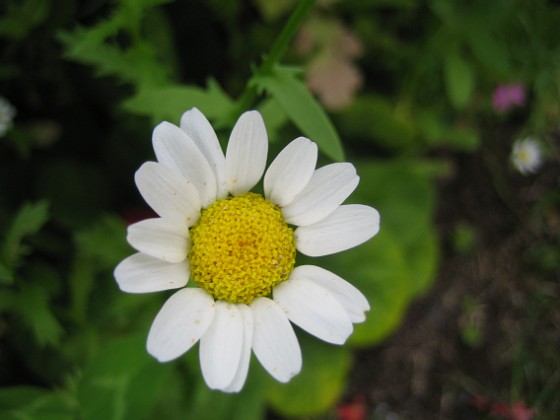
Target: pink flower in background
x: 331, y: 72
x: 334, y: 80
x: 508, y: 96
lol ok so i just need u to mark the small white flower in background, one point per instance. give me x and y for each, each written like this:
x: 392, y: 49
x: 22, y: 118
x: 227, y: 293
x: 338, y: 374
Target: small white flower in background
x: 7, y: 114
x: 240, y: 248
x: 526, y: 155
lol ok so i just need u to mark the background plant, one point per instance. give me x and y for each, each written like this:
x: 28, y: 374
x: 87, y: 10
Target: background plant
x: 89, y: 81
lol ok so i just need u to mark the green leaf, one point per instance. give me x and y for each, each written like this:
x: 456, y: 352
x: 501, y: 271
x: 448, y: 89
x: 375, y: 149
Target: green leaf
x: 170, y: 102
x: 302, y: 108
x: 30, y: 403
x: 400, y: 262
x: 77, y: 191
x: 379, y: 270
x: 459, y: 79
x: 318, y: 386
x: 391, y: 130
x: 272, y: 10
x: 423, y: 262
x: 101, y: 246
x: 122, y: 382
x: 8, y: 300
x: 33, y: 308
x: 403, y: 193
x: 490, y: 51
x: 104, y: 241
x: 437, y: 132
x: 6, y: 276
x: 249, y: 404
x: 81, y: 285
x: 29, y: 220
x: 273, y: 116
x: 138, y: 64
x: 20, y: 17
x: 463, y: 138
x: 445, y: 10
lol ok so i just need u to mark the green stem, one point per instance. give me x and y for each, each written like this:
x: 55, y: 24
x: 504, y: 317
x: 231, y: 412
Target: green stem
x: 279, y: 48
x: 283, y: 41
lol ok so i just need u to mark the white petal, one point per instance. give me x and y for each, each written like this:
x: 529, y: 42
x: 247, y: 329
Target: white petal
x: 141, y: 273
x: 195, y: 124
x: 314, y: 309
x: 346, y: 227
x: 180, y: 323
x: 352, y: 300
x: 176, y: 150
x: 241, y: 375
x: 246, y: 153
x: 274, y: 341
x: 290, y: 172
x: 160, y: 238
x: 329, y: 186
x: 168, y: 193
x: 221, y: 346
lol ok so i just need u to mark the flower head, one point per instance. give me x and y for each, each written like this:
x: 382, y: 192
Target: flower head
x: 508, y: 96
x: 526, y: 155
x: 239, y: 247
x: 7, y: 114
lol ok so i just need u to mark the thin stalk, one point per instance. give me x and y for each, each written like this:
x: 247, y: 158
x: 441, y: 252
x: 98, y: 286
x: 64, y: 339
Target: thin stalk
x: 278, y: 49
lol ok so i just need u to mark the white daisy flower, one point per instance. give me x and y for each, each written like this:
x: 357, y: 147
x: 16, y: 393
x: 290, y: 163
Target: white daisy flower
x: 526, y: 155
x: 7, y: 114
x: 239, y: 247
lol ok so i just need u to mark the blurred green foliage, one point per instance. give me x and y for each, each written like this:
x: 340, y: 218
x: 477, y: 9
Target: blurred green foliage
x: 90, y: 78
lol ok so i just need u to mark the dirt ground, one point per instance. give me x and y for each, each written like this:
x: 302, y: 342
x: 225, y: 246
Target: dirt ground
x: 483, y: 342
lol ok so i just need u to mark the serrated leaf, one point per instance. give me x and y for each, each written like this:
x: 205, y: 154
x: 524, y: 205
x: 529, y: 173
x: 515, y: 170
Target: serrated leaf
x: 302, y: 108
x: 28, y: 221
x: 138, y: 64
x: 318, y: 386
x: 33, y: 308
x: 459, y: 79
x: 168, y: 103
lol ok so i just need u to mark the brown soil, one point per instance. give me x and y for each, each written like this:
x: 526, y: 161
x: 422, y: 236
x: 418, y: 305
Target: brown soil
x: 427, y: 369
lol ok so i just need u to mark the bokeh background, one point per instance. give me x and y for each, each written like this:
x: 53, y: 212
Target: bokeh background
x: 425, y: 98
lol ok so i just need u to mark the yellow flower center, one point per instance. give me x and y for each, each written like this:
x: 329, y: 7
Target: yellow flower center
x: 524, y: 156
x: 241, y: 248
